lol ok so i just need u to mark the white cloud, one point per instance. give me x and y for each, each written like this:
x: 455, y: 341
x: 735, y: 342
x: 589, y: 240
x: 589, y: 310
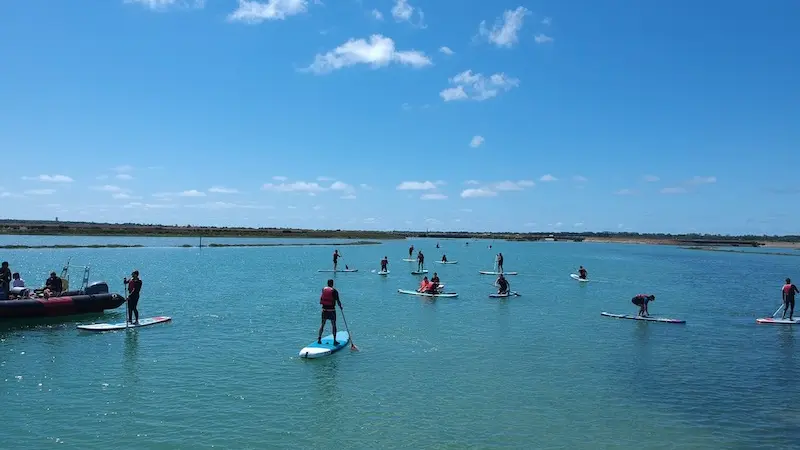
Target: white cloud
x: 651, y: 178
x: 348, y: 197
x: 366, y: 187
x: 9, y: 194
x: 279, y: 178
x: 51, y: 178
x: 161, y: 5
x: 317, y: 207
x: 377, y: 14
x: 370, y: 220
x: 542, y: 38
x: 433, y: 197
x: 123, y: 169
x: 472, y: 182
x: 547, y: 21
x: 139, y: 205
x: 446, y: 50
x: 297, y: 186
x: 526, y: 183
x: 415, y: 186
x: 40, y: 191
x: 504, y: 32
x: 125, y: 196
x: 673, y: 190
x: 548, y: 177
x: 578, y: 225
x: 558, y: 224
x: 624, y: 192
x: 109, y: 188
x: 339, y: 186
x: 476, y: 141
x: 254, y: 12
x: 512, y: 185
x: 475, y: 193
x: 323, y: 178
x: 402, y: 11
x: 703, y: 180
x: 223, y: 190
x: 226, y: 205
x: 580, y: 179
x: 124, y: 176
x: 379, y: 52
x: 191, y: 193
x: 476, y: 86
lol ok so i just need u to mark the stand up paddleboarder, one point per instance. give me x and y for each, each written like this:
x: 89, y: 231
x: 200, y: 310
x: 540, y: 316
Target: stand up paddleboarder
x: 385, y: 264
x: 420, y: 261
x: 329, y: 299
x: 788, y: 292
x: 134, y: 288
x: 336, y: 257
x: 411, y: 252
x: 641, y: 301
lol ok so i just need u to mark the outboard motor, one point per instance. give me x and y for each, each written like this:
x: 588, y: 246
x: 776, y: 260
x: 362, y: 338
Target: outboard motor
x: 98, y: 287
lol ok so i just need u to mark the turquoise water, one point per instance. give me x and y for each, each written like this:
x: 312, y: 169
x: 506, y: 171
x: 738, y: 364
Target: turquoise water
x: 544, y: 370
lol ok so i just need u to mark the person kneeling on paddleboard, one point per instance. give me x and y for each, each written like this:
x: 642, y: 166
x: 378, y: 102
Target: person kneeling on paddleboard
x: 502, y: 284
x: 423, y: 286
x: 384, y: 263
x: 444, y: 258
x: 329, y: 299
x: 788, y: 292
x: 582, y: 273
x: 641, y: 301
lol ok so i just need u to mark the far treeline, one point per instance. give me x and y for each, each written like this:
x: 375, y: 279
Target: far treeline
x: 19, y: 227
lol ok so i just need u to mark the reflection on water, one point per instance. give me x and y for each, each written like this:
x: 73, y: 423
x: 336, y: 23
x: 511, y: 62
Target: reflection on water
x: 325, y: 372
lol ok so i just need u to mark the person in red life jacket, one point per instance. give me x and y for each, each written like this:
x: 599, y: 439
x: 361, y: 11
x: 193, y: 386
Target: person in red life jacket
x: 423, y: 286
x: 582, y: 273
x: 336, y: 256
x: 788, y: 292
x: 134, y: 288
x: 385, y: 264
x: 420, y: 261
x: 641, y: 301
x: 329, y: 299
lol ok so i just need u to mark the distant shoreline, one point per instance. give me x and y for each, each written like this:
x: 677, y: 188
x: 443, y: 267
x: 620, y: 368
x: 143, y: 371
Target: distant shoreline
x: 210, y: 245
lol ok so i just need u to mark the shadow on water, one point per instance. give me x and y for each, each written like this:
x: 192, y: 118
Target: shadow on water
x: 49, y: 323
x: 325, y: 373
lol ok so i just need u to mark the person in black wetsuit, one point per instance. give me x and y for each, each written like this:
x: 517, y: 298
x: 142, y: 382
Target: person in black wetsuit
x: 582, y: 273
x: 787, y: 293
x: 384, y: 264
x: 444, y: 258
x: 5, y: 281
x: 329, y: 299
x: 336, y: 256
x: 641, y: 301
x: 420, y: 261
x: 411, y: 251
x: 53, y: 286
x: 500, y: 262
x: 134, y: 288
x: 502, y: 285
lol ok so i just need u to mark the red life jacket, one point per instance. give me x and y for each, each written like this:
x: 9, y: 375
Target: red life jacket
x: 326, y: 299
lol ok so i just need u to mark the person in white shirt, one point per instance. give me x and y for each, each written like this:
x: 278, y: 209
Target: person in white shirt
x: 18, y: 282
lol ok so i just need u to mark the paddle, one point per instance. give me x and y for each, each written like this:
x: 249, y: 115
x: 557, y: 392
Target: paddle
x: 125, y: 291
x: 352, y: 345
x: 776, y: 312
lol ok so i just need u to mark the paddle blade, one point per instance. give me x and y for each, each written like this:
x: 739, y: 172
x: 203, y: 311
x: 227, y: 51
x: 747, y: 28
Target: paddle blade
x: 353, y: 347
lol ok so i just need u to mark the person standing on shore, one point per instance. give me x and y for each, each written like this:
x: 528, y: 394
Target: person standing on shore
x: 134, y: 288
x: 787, y: 292
x: 328, y: 300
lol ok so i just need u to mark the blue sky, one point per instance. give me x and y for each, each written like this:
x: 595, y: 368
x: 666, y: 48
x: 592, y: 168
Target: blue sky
x: 672, y: 116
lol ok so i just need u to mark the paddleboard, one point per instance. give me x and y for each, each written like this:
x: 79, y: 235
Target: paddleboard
x: 425, y: 294
x: 575, y: 276
x: 316, y: 350
x: 778, y: 321
x: 510, y: 294
x: 409, y: 260
x: 486, y: 272
x: 446, y: 262
x: 121, y: 325
x: 338, y: 270
x: 417, y: 272
x: 383, y: 273
x: 649, y: 319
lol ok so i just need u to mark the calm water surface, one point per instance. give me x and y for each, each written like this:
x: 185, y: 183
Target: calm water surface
x: 544, y: 370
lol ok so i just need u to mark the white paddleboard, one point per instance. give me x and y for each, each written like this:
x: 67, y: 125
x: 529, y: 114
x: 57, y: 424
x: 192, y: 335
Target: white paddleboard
x: 650, y: 319
x: 316, y: 350
x: 575, y: 276
x: 121, y: 325
x: 778, y: 321
x: 446, y: 262
x: 510, y: 294
x: 486, y: 272
x: 425, y: 294
x: 383, y: 273
x: 417, y: 272
x: 409, y: 260
x: 338, y: 270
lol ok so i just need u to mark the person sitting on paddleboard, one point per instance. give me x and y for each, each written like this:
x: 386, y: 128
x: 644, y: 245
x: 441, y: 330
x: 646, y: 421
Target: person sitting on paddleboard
x: 641, y: 301
x: 134, y: 288
x: 444, y: 258
x: 420, y: 261
x: 788, y: 292
x: 423, y: 286
x: 434, y: 283
x: 411, y: 251
x: 502, y: 284
x: 336, y: 256
x: 500, y: 262
x: 329, y: 299
x: 384, y: 264
x: 582, y: 273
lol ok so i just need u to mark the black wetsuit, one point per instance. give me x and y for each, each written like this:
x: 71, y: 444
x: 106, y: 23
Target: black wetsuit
x: 134, y: 288
x: 503, y: 285
x: 789, y: 290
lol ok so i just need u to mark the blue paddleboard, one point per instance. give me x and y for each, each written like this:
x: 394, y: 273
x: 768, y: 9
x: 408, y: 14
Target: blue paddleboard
x: 315, y: 350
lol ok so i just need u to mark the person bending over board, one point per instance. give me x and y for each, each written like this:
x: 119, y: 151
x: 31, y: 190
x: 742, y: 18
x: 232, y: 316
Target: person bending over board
x: 384, y: 264
x: 134, y: 288
x: 420, y: 261
x: 788, y: 292
x: 329, y: 299
x: 502, y: 284
x: 336, y: 256
x: 582, y: 273
x: 444, y: 258
x: 641, y: 301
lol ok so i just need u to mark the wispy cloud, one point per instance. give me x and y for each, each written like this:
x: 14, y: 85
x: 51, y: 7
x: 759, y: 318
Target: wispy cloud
x: 673, y: 190
x: 297, y: 186
x: 476, y: 141
x: 446, y: 50
x: 255, y: 12
x: 222, y: 190
x: 651, y: 178
x: 433, y: 197
x: 50, y: 178
x: 580, y: 179
x: 377, y: 15
x: 625, y: 192
x: 108, y: 188
x: 703, y: 180
x: 542, y: 38
x: 378, y: 52
x: 40, y: 191
x: 402, y: 11
x: 124, y: 176
x: 476, y: 86
x: 415, y: 186
x: 477, y: 193
x: 547, y: 178
x: 163, y: 5
x: 505, y: 30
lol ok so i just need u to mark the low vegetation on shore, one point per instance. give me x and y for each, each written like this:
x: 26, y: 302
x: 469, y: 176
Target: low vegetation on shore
x: 212, y: 245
